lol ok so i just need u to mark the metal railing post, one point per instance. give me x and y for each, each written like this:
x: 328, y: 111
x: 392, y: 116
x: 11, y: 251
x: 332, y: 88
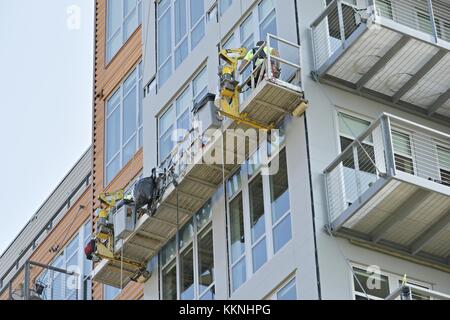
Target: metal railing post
x: 26, y: 285
x: 269, y: 53
x: 341, y: 22
x: 386, y: 133
x: 432, y: 20
x: 357, y: 170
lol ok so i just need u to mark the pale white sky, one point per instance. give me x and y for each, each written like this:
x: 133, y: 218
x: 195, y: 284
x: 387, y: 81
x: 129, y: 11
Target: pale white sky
x: 45, y: 102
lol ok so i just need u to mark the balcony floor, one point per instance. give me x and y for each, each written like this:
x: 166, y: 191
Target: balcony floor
x: 393, y: 67
x: 402, y: 215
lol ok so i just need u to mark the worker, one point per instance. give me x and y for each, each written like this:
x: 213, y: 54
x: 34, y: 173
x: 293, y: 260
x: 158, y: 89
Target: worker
x: 262, y: 56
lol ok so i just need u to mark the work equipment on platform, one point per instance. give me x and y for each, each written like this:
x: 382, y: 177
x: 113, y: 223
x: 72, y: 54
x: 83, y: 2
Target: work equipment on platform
x: 118, y: 216
x: 269, y: 64
x: 132, y: 229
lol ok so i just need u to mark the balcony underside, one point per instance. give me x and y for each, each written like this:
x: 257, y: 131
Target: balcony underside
x: 401, y: 217
x: 393, y: 68
x: 268, y: 103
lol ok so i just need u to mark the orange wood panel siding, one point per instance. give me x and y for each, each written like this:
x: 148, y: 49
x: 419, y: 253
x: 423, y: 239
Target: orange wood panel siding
x: 107, y: 77
x: 60, y: 235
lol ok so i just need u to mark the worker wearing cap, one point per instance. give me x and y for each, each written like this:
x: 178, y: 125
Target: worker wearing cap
x: 262, y: 55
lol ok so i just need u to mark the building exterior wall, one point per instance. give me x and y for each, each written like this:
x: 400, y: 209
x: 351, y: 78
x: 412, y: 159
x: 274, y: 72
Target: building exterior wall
x: 108, y: 75
x: 319, y: 262
x: 57, y: 232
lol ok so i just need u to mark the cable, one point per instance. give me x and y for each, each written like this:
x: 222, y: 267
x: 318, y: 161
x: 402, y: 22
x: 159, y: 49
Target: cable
x: 56, y: 247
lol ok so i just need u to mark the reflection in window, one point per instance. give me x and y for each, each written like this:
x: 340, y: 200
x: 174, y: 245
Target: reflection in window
x: 281, y: 217
x: 257, y: 220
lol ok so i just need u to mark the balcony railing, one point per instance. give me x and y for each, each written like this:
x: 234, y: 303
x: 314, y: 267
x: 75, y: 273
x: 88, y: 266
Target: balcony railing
x: 44, y: 282
x: 391, y: 187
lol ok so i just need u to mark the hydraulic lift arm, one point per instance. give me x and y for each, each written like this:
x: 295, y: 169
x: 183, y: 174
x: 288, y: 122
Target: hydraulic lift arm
x: 230, y: 89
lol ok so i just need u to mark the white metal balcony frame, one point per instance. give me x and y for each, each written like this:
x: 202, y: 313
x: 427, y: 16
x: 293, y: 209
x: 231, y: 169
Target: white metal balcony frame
x: 421, y: 25
x: 372, y: 189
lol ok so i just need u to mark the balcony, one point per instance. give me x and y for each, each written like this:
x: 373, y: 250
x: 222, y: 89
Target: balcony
x: 392, y: 51
x: 208, y: 154
x: 45, y: 282
x: 389, y: 190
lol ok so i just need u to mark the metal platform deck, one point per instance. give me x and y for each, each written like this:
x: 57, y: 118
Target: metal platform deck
x: 269, y: 103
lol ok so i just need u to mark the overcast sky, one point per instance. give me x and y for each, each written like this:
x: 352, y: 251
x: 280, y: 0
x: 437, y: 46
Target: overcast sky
x: 45, y: 101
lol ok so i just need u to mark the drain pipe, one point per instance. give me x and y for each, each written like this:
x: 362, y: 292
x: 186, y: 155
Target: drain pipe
x: 316, y: 256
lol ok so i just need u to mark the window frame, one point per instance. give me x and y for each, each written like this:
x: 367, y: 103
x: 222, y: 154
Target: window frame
x: 188, y: 88
x: 192, y: 244
x: 63, y: 257
x: 138, y: 10
x: 269, y: 225
x: 394, y: 281
x: 174, y: 45
x: 139, y: 125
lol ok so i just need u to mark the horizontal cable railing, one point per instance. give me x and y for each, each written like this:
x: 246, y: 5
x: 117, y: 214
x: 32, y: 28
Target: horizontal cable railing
x: 341, y: 18
x: 390, y: 145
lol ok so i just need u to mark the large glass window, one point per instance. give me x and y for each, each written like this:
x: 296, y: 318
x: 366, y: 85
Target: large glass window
x: 177, y: 119
x: 258, y: 229
x: 124, y: 126
x: 61, y: 286
x: 123, y: 17
x: 187, y: 271
x: 181, y: 26
x: 224, y: 5
x: 350, y: 128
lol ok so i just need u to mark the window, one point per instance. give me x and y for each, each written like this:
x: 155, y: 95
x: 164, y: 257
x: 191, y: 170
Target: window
x: 187, y: 20
x: 87, y: 264
x: 288, y: 291
x: 178, y: 117
x: 124, y: 125
x: 187, y: 271
x: 224, y: 5
x: 60, y: 286
x: 384, y: 9
x: 378, y: 286
x: 267, y: 19
x: 123, y: 17
x: 258, y: 229
x: 403, y: 152
x: 110, y: 293
x: 444, y: 164
x: 350, y: 128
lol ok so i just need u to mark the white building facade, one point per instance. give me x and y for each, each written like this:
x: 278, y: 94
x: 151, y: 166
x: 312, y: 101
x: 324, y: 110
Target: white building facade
x: 340, y: 209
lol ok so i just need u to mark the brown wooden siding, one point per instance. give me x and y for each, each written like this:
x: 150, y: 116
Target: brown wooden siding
x: 107, y: 76
x: 65, y: 230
